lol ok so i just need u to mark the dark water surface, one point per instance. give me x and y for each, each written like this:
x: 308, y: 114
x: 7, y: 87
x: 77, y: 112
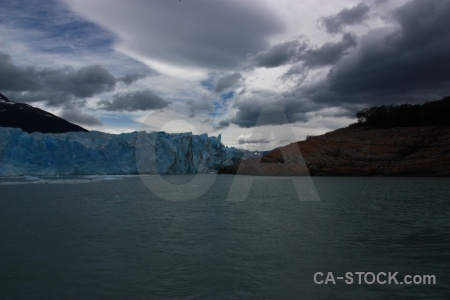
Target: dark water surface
x: 114, y: 239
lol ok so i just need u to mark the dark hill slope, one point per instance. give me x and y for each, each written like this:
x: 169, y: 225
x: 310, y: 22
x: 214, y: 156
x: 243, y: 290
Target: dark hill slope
x: 359, y: 151
x: 32, y: 119
x: 388, y: 140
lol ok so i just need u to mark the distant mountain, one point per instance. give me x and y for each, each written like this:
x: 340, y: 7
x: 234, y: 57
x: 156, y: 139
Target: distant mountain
x: 32, y: 119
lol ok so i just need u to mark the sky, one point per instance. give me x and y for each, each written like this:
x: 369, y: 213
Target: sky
x: 242, y: 69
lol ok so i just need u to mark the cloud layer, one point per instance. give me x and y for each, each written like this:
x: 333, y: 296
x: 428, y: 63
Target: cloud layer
x: 134, y: 101
x: 227, y: 81
x: 56, y: 86
x: 299, y: 50
x: 407, y: 62
x: 349, y: 16
x: 203, y: 33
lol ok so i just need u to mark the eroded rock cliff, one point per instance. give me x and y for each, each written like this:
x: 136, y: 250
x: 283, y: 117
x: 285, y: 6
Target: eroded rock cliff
x: 359, y: 151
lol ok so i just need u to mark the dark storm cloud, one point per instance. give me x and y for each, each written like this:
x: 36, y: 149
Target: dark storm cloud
x: 84, y: 82
x: 227, y: 81
x: 202, y: 33
x: 134, y: 101
x: 349, y: 16
x: 14, y: 78
x: 249, y: 111
x: 290, y: 107
x: 329, y: 53
x: 407, y: 63
x: 81, y: 83
x: 281, y: 54
x: 221, y: 124
x: 56, y: 86
x: 299, y: 50
x: 224, y: 123
x: 78, y: 117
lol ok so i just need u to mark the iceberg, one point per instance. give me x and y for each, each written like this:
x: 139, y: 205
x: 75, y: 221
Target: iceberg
x: 98, y: 153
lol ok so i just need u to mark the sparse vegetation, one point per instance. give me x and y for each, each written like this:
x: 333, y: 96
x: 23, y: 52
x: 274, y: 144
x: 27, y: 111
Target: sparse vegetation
x: 402, y: 115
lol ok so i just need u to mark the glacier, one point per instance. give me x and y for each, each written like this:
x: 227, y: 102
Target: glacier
x: 99, y: 153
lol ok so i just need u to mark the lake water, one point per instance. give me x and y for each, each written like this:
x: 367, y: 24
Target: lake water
x: 112, y: 238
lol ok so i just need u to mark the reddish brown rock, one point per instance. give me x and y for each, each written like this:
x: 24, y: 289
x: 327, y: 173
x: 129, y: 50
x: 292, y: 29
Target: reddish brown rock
x: 359, y: 151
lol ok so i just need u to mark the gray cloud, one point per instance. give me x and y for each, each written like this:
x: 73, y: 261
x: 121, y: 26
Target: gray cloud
x: 299, y: 50
x: 224, y: 123
x: 329, y: 53
x: 408, y: 63
x: 221, y: 124
x: 388, y: 65
x: 55, y: 86
x: 84, y: 82
x: 200, y: 105
x: 14, y: 78
x: 297, y: 72
x: 249, y: 110
x: 281, y: 54
x: 227, y: 81
x: 130, y: 78
x: 78, y: 117
x: 203, y: 33
x: 134, y: 101
x: 350, y: 16
x: 81, y: 83
x: 255, y: 138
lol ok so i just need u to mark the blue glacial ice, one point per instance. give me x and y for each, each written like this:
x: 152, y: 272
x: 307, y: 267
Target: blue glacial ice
x: 86, y: 153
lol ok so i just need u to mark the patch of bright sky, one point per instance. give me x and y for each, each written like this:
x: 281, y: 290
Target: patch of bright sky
x: 118, y: 123
x: 208, y: 84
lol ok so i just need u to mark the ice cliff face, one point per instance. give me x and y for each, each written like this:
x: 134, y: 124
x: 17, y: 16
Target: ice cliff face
x: 84, y: 153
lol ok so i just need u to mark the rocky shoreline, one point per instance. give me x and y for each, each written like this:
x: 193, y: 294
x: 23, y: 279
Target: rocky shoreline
x: 358, y: 151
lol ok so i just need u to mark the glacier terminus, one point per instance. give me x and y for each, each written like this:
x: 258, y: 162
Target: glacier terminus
x: 98, y: 153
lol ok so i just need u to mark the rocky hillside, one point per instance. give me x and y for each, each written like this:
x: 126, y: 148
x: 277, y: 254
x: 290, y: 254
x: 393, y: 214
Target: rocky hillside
x: 359, y: 151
